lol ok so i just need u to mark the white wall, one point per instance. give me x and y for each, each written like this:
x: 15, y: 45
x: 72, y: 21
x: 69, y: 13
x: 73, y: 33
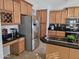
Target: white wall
x: 9, y: 26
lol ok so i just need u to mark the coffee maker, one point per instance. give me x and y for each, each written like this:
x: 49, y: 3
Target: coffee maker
x: 14, y: 32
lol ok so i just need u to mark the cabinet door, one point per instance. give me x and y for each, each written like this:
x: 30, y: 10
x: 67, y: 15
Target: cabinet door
x: 58, y: 17
x: 74, y: 54
x: 8, y: 5
x: 52, y: 33
x: 56, y: 52
x: 18, y: 47
x: 60, y: 34
x: 76, y: 12
x: 39, y: 14
x: 21, y: 45
x: 24, y: 8
x: 44, y: 16
x: 64, y: 16
x: 29, y: 10
x: 52, y: 17
x: 43, y: 30
x: 16, y: 19
x: 63, y: 52
x: 71, y: 12
x: 14, y: 48
x: 1, y: 4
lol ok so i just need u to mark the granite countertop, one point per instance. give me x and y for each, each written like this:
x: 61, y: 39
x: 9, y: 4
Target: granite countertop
x: 10, y: 39
x: 60, y: 42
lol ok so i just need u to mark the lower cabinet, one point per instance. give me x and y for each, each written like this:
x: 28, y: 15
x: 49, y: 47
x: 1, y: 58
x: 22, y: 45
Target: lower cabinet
x: 60, y: 34
x: 18, y: 47
x: 74, y: 54
x: 56, y: 52
x: 42, y: 30
x: 52, y: 33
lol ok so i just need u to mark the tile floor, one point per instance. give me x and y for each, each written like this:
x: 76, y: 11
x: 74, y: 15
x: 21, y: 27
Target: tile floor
x: 39, y: 53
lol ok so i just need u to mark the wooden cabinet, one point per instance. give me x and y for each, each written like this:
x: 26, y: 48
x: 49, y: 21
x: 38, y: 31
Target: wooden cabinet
x: 56, y: 52
x: 8, y: 5
x: 71, y: 11
x: 58, y: 17
x: 1, y: 4
x: 16, y: 19
x: 29, y: 9
x: 44, y: 16
x: 61, y: 34
x: 24, y: 8
x: 21, y: 44
x: 52, y: 17
x: 43, y: 30
x: 64, y: 16
x: 52, y: 33
x: 74, y: 54
x: 39, y: 14
x: 18, y: 47
x: 76, y: 11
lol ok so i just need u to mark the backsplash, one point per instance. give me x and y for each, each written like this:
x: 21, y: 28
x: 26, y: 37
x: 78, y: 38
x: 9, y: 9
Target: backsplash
x: 8, y: 27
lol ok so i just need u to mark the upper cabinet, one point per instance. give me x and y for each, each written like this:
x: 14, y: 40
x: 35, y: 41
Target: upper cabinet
x: 64, y: 16
x: 24, y: 8
x: 77, y: 12
x: 16, y: 19
x: 29, y: 9
x: 58, y: 17
x: 71, y: 11
x: 52, y: 17
x: 1, y: 4
x: 42, y: 14
x: 8, y: 5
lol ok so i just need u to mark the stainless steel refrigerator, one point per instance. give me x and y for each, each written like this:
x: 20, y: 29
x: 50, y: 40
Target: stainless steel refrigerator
x: 30, y: 27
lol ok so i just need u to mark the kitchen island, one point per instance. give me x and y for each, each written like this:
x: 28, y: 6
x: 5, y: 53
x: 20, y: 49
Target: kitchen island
x: 60, y: 49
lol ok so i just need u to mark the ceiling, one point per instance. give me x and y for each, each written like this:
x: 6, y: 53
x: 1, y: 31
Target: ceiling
x: 53, y: 4
x: 47, y: 4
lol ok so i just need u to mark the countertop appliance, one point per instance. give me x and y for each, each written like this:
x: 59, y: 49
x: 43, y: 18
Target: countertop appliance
x: 52, y: 27
x: 61, y: 27
x: 72, y: 24
x: 14, y: 32
x: 30, y: 27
